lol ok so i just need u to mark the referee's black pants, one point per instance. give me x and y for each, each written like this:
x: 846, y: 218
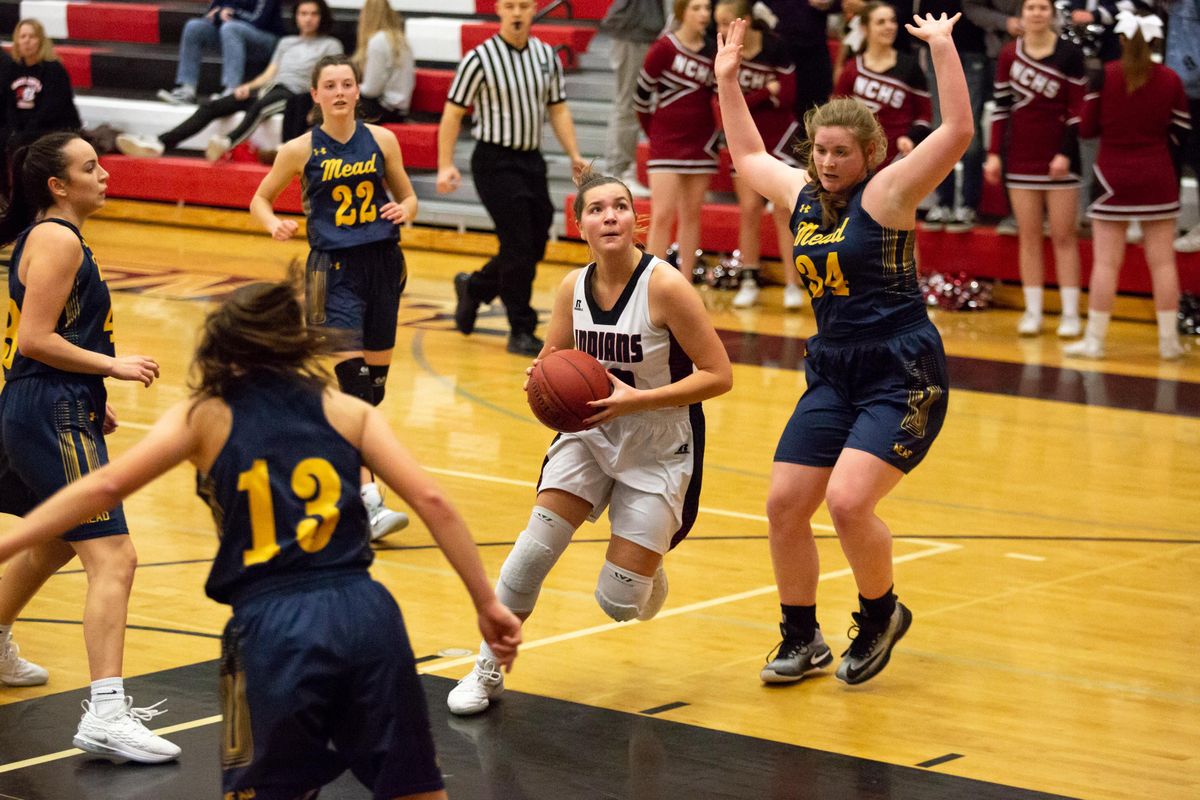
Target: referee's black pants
x: 512, y: 186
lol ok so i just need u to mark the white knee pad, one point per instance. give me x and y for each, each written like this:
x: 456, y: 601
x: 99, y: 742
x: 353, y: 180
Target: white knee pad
x: 622, y: 594
x: 536, y: 550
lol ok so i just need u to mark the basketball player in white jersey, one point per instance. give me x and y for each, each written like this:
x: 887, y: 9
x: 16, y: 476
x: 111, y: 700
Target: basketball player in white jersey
x: 643, y: 452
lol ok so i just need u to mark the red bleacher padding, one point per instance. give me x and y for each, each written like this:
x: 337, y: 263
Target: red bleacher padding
x: 113, y: 22
x: 580, y: 9
x: 576, y: 38
x: 430, y: 89
x: 418, y: 143
x: 193, y: 181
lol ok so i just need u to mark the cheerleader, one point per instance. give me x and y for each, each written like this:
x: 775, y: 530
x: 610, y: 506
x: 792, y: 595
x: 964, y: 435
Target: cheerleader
x: 1139, y: 113
x: 1040, y: 84
x: 674, y: 106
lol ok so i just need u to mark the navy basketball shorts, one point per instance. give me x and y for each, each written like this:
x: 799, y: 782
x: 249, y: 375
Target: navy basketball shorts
x: 887, y: 398
x: 320, y: 663
x: 51, y: 433
x: 362, y: 291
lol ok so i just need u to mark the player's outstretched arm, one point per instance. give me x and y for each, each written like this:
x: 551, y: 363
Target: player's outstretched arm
x: 893, y: 195
x: 168, y: 443
x: 390, y: 460
x: 766, y: 174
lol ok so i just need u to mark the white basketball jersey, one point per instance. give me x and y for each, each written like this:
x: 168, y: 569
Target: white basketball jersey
x: 623, y: 338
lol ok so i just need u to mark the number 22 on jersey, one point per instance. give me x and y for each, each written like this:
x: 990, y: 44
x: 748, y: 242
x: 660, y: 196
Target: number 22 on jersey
x: 346, y: 214
x: 316, y: 482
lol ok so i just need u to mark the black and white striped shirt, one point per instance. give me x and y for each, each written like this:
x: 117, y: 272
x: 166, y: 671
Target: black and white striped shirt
x: 510, y: 90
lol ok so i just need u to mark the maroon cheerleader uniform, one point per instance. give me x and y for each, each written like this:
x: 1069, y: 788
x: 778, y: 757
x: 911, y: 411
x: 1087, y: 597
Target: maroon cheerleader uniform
x: 1038, y: 106
x: 674, y: 105
x: 899, y: 97
x: 773, y: 114
x: 1135, y: 174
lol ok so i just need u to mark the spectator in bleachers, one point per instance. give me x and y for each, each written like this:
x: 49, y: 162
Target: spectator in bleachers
x: 288, y: 75
x: 633, y: 26
x: 37, y: 95
x: 386, y: 62
x: 1183, y: 56
x: 887, y: 81
x: 675, y: 108
x: 1040, y: 86
x: 768, y: 80
x: 1137, y: 112
x: 244, y: 31
x: 958, y: 197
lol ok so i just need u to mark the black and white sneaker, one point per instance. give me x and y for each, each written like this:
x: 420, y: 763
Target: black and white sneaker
x: 872, y: 646
x: 792, y: 659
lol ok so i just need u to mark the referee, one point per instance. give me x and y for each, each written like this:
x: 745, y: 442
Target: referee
x: 513, y: 80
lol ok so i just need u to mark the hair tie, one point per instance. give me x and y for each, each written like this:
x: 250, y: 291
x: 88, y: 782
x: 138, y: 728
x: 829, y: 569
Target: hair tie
x: 1129, y: 24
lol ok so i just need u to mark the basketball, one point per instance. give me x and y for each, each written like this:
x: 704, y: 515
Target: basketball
x: 561, y: 386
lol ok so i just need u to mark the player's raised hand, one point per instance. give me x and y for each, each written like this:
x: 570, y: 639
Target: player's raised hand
x: 729, y: 51
x: 134, y: 368
x: 927, y: 28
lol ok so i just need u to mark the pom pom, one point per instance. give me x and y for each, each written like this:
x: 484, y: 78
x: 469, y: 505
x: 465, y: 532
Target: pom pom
x: 955, y: 291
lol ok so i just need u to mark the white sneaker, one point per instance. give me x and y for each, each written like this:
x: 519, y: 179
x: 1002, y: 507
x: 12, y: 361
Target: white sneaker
x: 475, y: 692
x: 1087, y: 347
x: 793, y: 297
x: 383, y: 520
x: 179, y: 96
x: 139, y: 146
x: 964, y: 219
x: 1007, y: 226
x: 658, y: 595
x: 1070, y: 326
x: 17, y: 671
x: 1029, y: 324
x: 936, y: 218
x: 1169, y: 349
x: 217, y: 147
x: 747, y: 294
x: 125, y: 735
x: 1189, y: 242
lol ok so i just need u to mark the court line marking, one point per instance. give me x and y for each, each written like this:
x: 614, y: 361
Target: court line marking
x: 935, y: 548
x: 1022, y: 557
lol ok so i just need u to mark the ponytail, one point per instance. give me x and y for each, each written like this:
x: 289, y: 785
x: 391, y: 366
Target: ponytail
x: 32, y: 168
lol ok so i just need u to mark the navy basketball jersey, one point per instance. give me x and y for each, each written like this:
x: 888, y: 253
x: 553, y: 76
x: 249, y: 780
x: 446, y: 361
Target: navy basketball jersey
x: 862, y: 276
x: 86, y: 320
x: 343, y: 187
x: 284, y: 491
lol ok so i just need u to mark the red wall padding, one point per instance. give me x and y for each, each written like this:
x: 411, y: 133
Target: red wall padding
x: 190, y: 180
x: 578, y: 39
x: 430, y: 89
x: 581, y: 9
x: 78, y: 63
x: 113, y: 22
x: 418, y: 143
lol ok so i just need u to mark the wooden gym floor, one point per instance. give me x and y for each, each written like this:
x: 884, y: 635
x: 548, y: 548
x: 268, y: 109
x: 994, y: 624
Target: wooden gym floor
x: 1048, y: 547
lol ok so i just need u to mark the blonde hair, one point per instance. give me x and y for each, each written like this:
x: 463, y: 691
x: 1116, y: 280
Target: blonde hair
x: 1135, y: 61
x: 375, y: 16
x: 842, y: 112
x: 45, y: 52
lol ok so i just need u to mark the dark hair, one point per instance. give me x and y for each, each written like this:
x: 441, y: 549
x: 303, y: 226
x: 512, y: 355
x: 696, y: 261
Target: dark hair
x: 339, y: 60
x: 32, y: 168
x: 259, y: 329
x: 326, y: 15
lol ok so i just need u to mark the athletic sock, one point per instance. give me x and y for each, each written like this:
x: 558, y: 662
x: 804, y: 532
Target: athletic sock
x: 1069, y: 295
x: 881, y: 608
x: 1168, y: 322
x: 800, y: 621
x: 1097, y: 324
x: 1033, y: 300
x: 108, y: 697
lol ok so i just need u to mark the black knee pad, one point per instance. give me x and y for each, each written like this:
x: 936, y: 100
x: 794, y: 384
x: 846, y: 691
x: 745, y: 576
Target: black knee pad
x: 378, y: 382
x: 354, y: 378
